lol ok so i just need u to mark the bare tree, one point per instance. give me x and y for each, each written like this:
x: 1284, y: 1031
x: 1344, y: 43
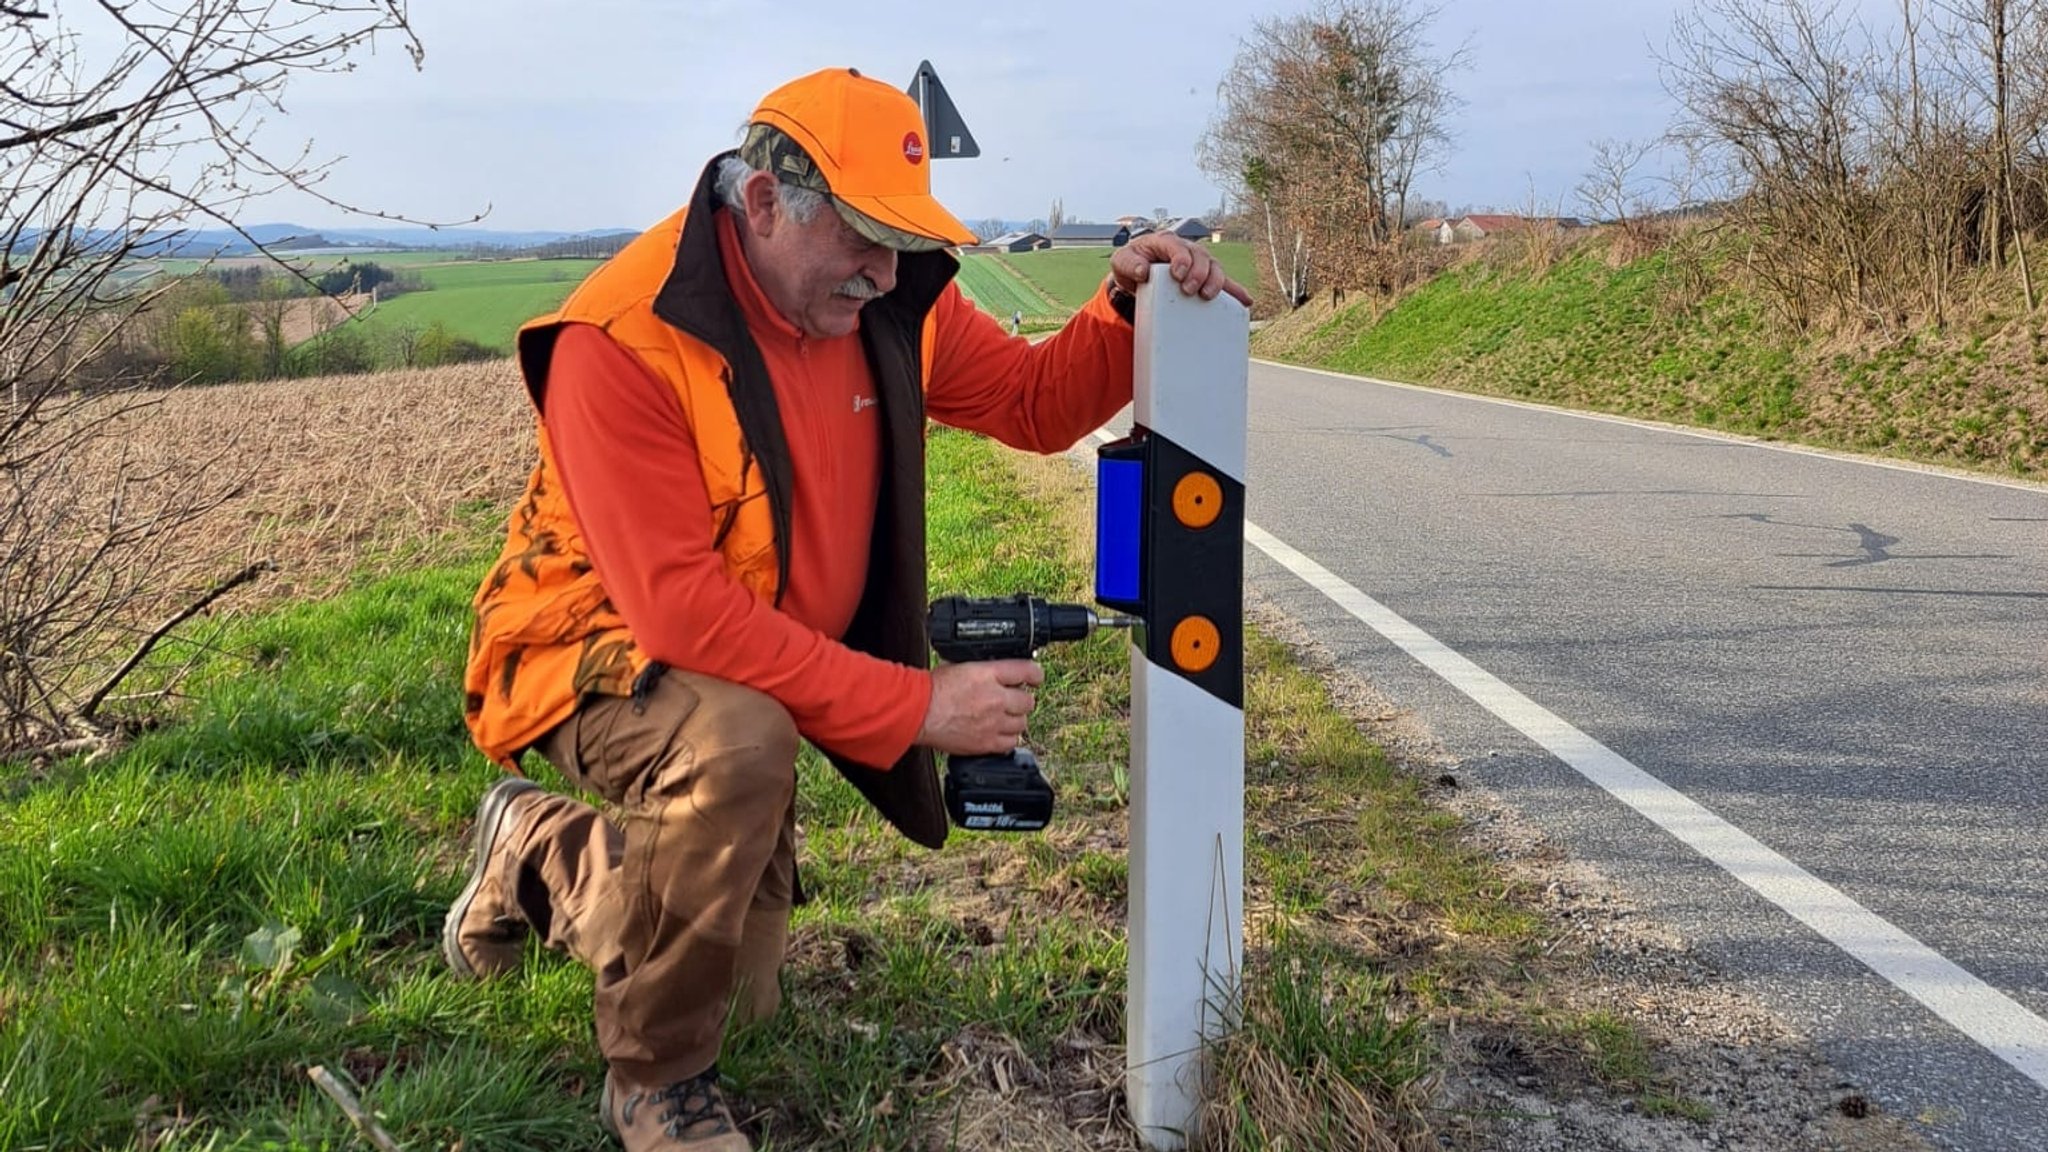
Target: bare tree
x: 1056, y: 216
x: 112, y: 147
x: 1615, y: 191
x: 1324, y: 120
x: 1779, y: 85
x: 1873, y: 172
x: 1987, y: 30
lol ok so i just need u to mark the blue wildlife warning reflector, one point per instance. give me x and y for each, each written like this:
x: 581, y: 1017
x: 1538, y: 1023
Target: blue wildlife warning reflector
x: 1119, y: 525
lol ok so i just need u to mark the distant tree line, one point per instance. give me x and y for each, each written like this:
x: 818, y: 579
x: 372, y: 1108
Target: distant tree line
x: 368, y: 276
x: 253, y: 324
x: 245, y: 283
x: 569, y: 248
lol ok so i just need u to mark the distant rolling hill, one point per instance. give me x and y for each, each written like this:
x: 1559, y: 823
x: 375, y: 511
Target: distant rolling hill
x: 298, y: 237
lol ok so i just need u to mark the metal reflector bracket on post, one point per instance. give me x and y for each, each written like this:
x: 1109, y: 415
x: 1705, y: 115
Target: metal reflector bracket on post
x: 1170, y: 549
x: 946, y: 132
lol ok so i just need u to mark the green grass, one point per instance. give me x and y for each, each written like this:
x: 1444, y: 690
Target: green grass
x: 258, y: 889
x: 485, y: 302
x: 1585, y: 334
x: 188, y: 926
x: 991, y: 284
x: 1068, y: 275
x: 1072, y: 275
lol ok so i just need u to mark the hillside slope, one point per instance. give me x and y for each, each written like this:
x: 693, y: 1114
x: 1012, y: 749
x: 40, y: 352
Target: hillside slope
x: 1586, y: 334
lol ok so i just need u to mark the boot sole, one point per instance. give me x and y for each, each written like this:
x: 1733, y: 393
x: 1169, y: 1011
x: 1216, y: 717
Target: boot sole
x: 490, y: 820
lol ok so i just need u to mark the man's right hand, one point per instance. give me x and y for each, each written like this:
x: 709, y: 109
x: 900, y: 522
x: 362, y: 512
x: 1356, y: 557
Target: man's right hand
x: 979, y: 707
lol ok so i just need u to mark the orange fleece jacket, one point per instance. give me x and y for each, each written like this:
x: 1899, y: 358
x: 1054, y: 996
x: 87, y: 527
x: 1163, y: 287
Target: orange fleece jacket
x: 628, y: 461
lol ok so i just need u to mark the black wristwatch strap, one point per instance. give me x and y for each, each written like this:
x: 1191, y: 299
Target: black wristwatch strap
x: 1125, y: 304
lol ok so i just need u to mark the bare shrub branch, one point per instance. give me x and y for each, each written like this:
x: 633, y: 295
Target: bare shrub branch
x: 1873, y: 173
x: 114, y: 146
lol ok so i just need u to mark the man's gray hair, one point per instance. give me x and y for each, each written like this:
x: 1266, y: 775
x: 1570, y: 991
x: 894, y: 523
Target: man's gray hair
x: 801, y: 204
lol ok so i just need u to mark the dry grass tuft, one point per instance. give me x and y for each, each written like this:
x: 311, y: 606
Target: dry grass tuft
x: 998, y: 1100
x: 1265, y: 1102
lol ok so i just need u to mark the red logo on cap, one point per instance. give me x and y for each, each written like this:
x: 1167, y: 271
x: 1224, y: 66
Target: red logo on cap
x: 913, y: 148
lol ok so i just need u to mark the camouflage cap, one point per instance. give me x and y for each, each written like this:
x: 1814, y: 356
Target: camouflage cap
x: 769, y: 149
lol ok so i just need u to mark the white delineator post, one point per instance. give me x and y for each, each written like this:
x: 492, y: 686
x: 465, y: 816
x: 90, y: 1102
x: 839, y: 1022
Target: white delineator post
x: 1187, y: 713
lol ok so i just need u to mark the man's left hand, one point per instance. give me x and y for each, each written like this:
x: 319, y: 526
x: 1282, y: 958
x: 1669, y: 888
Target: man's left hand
x: 1195, y: 270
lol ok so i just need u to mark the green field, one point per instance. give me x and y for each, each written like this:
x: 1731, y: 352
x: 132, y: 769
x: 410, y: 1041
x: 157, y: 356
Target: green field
x: 311, y: 263
x: 999, y: 292
x: 1071, y: 275
x: 483, y: 301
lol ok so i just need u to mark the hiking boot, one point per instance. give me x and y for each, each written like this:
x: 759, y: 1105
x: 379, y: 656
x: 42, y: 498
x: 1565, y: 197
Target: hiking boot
x: 687, y: 1116
x: 484, y: 934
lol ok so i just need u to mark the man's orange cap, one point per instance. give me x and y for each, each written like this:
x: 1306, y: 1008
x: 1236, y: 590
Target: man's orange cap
x: 865, y: 144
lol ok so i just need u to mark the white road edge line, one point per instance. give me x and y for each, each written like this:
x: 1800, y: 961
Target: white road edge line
x: 1994, y: 1020
x: 1990, y: 1018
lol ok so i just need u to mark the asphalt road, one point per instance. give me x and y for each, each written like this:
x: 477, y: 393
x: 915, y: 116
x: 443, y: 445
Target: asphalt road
x: 1845, y: 661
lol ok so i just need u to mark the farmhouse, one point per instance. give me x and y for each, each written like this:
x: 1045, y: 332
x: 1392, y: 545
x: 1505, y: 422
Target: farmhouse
x: 1015, y: 242
x: 1480, y: 226
x: 1185, y: 227
x: 1090, y: 236
x: 1191, y: 228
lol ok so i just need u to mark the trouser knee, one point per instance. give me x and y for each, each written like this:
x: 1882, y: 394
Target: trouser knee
x: 740, y: 758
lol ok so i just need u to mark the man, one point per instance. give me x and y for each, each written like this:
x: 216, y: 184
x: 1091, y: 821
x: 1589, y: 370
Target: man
x: 721, y: 553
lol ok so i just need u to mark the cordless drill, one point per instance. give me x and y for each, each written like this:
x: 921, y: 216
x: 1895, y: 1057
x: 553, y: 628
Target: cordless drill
x: 1005, y: 793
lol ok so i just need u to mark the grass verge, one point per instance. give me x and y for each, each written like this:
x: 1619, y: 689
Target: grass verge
x: 185, y: 928
x: 1637, y: 340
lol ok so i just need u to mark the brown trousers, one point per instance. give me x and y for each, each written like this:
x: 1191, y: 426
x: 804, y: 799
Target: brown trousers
x: 685, y: 902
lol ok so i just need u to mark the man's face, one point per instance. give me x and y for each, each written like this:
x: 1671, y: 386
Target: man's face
x: 820, y: 273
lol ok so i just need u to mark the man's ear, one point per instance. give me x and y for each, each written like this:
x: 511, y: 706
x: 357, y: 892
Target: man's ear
x: 763, y: 201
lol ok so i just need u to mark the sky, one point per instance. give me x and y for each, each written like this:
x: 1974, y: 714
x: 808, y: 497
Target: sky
x: 577, y: 115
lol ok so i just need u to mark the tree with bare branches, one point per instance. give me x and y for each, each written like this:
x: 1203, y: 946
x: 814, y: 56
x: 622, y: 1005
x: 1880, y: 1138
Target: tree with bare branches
x: 1325, y: 119
x: 1616, y: 191
x: 113, y: 145
x: 1872, y: 173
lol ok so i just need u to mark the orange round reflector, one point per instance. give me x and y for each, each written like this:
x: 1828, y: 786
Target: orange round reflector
x: 1195, y: 644
x: 1197, y: 500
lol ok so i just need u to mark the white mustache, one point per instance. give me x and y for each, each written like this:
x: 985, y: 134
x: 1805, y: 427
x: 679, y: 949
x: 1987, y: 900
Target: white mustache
x: 859, y: 288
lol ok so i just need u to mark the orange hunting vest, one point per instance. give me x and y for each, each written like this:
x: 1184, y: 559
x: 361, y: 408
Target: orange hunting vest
x: 546, y: 635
